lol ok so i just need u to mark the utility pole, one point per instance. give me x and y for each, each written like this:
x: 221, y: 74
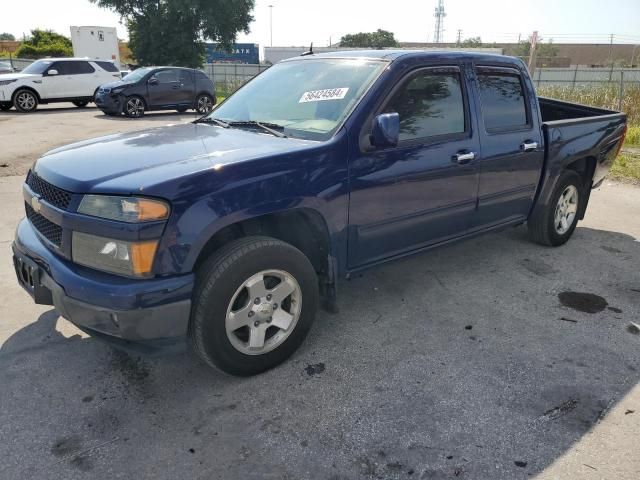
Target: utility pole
x: 439, y: 27
x: 611, y: 56
x: 532, y: 53
x: 271, y: 23
x: 459, y: 38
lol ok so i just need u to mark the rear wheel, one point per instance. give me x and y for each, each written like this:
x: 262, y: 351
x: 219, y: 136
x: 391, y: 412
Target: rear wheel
x: 204, y: 103
x: 254, y: 303
x: 134, y: 107
x: 556, y: 223
x: 25, y: 100
x: 81, y: 103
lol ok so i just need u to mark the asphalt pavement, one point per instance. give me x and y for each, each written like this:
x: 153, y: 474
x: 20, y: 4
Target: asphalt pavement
x: 489, y: 359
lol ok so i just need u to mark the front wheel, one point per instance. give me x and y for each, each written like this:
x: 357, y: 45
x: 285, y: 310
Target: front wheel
x: 556, y: 223
x: 204, y: 103
x: 81, y: 103
x: 25, y: 101
x: 134, y: 107
x: 254, y: 303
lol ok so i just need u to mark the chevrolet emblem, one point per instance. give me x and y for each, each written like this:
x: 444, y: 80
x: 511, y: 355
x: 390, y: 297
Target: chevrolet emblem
x: 35, y: 204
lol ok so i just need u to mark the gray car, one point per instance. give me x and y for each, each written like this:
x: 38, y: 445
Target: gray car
x: 157, y: 88
x: 5, y: 67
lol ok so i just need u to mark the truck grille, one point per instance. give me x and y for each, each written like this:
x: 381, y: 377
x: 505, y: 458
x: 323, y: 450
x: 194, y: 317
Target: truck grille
x: 48, y: 229
x: 52, y: 194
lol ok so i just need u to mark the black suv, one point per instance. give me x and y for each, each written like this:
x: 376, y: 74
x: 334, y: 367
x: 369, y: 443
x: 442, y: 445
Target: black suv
x: 157, y: 88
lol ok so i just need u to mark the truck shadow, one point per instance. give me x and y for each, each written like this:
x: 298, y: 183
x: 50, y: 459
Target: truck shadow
x: 458, y: 363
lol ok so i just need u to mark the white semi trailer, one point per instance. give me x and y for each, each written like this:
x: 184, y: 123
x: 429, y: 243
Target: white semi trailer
x: 96, y: 43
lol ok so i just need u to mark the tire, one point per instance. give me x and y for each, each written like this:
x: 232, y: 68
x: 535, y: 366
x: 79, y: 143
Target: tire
x: 5, y: 107
x: 134, y: 107
x: 222, y: 293
x: 81, y: 103
x: 204, y: 103
x: 25, y: 100
x: 544, y: 228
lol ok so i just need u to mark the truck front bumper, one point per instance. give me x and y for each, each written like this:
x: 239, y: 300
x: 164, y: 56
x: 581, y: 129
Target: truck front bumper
x: 141, y: 315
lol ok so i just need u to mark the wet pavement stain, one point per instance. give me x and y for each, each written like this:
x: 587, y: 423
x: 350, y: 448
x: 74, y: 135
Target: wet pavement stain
x: 583, y: 302
x: 314, y: 369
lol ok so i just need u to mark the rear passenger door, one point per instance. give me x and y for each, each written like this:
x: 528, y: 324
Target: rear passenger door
x: 84, y: 78
x: 512, y: 153
x: 422, y: 191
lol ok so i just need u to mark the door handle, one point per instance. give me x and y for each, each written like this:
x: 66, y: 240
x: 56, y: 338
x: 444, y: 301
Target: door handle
x: 529, y: 146
x: 463, y: 158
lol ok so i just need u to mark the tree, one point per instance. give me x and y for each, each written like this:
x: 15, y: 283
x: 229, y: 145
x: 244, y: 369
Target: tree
x: 543, y: 50
x: 378, y: 39
x: 7, y: 36
x: 172, y: 32
x: 473, y: 42
x: 45, y: 43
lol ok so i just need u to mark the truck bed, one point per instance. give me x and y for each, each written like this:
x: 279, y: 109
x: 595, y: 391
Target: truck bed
x: 553, y: 110
x: 579, y: 132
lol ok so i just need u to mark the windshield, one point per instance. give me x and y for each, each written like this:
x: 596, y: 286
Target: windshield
x: 38, y: 67
x: 309, y: 99
x: 136, y: 75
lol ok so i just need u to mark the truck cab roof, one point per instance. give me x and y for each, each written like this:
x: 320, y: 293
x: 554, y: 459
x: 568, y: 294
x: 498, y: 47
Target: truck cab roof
x: 395, y: 54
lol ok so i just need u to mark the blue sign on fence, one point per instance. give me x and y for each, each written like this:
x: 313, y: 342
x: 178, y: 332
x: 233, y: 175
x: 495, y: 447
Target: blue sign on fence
x: 240, y: 53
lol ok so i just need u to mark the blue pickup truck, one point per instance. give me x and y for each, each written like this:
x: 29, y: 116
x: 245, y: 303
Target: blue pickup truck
x: 228, y: 233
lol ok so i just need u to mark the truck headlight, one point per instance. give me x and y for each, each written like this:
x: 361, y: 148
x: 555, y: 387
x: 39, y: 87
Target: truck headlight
x: 133, y: 259
x: 124, y: 209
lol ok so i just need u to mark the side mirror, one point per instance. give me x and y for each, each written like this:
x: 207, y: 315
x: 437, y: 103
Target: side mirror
x: 153, y: 81
x: 386, y: 130
x: 53, y: 71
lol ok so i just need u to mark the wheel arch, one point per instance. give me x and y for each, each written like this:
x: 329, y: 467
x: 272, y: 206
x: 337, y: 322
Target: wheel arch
x: 585, y: 167
x: 26, y: 87
x: 305, y: 228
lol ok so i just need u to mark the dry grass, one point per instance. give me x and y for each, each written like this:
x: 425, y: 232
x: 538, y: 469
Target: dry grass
x: 605, y: 96
x: 627, y: 167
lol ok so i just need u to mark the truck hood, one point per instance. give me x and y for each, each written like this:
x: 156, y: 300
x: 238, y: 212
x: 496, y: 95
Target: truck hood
x: 133, y: 162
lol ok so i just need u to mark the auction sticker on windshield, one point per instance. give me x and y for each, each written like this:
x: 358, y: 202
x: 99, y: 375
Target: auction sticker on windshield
x: 326, y: 94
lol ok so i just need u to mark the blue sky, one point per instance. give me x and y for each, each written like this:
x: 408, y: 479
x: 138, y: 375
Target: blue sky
x: 299, y: 22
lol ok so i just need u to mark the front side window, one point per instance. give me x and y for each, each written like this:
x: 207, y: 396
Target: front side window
x: 306, y: 98
x: 502, y: 98
x: 38, y: 67
x: 167, y: 76
x: 429, y: 104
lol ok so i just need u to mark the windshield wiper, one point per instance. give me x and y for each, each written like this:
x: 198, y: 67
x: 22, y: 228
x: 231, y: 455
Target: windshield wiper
x: 269, y: 127
x: 217, y: 121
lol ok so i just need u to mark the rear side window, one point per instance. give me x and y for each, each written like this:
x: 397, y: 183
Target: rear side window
x: 503, y: 102
x: 430, y: 104
x: 79, y: 68
x: 107, y: 66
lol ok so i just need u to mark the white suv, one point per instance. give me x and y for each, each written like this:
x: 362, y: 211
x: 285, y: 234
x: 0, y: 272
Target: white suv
x: 55, y: 80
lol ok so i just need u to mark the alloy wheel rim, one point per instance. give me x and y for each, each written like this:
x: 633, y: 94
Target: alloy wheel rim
x: 263, y: 312
x: 26, y: 101
x: 135, y: 107
x: 204, y: 104
x: 566, y: 210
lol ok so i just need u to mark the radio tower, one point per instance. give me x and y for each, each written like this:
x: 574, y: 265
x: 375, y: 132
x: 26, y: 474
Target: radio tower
x: 439, y: 14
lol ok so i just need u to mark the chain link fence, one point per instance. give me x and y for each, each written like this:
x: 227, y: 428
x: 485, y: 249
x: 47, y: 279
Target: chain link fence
x: 611, y: 88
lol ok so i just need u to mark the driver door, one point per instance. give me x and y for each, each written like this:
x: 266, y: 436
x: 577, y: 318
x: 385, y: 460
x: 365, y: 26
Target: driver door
x: 60, y: 84
x: 163, y: 87
x: 422, y: 191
